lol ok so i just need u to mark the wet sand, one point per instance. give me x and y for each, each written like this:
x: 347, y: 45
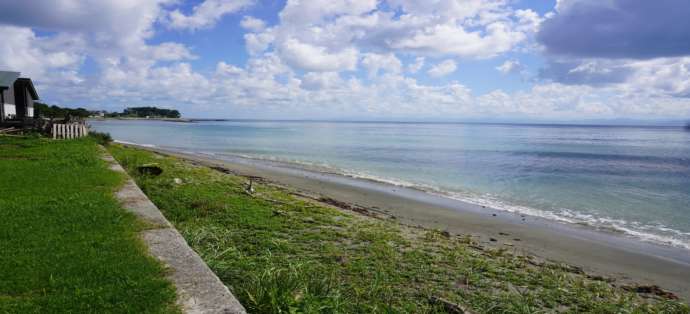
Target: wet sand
x: 629, y: 261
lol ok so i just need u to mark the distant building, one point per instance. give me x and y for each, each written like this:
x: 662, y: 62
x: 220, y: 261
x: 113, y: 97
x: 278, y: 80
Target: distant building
x: 17, y: 96
x: 98, y: 114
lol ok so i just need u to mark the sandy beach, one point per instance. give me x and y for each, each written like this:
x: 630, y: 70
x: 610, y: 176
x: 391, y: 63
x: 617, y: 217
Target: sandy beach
x: 599, y: 253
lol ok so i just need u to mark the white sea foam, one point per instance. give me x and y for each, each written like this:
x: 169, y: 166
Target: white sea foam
x: 131, y: 143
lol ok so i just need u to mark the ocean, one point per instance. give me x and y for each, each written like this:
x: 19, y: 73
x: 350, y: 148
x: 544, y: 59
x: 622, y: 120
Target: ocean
x: 623, y: 179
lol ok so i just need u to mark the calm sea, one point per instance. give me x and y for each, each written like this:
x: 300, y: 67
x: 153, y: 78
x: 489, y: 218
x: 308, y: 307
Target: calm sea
x: 633, y: 180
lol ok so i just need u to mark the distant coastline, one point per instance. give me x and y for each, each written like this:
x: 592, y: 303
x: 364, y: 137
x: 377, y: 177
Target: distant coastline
x: 185, y: 120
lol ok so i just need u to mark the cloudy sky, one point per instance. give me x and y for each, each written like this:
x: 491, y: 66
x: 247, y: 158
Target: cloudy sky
x: 357, y: 59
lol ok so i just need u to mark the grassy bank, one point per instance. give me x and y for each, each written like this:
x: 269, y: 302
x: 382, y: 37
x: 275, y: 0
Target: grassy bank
x: 283, y: 253
x: 66, y: 246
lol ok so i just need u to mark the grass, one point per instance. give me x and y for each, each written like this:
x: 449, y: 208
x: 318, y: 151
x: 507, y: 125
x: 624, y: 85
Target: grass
x: 66, y: 246
x: 280, y: 253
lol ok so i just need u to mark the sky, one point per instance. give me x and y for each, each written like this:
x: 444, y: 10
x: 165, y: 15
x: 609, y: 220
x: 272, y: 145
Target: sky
x: 357, y: 59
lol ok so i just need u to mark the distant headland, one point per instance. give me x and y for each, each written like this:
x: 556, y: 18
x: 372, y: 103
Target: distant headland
x: 146, y: 113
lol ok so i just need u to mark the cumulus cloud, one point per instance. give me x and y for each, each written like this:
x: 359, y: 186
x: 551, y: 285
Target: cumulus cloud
x: 375, y: 63
x: 590, y: 72
x: 417, y: 65
x: 206, y: 14
x: 224, y: 69
x: 22, y: 50
x: 320, y: 80
x: 316, y: 58
x: 634, y: 49
x: 637, y: 29
x: 473, y: 29
x: 323, y: 58
x: 442, y: 69
x: 252, y: 24
x: 447, y: 39
x: 510, y: 67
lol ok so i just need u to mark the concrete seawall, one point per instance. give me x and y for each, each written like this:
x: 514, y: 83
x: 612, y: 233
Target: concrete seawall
x: 199, y: 290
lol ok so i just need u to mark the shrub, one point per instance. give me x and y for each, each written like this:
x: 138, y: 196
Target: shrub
x: 101, y: 137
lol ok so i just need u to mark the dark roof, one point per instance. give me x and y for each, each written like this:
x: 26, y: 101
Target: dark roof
x: 30, y: 86
x: 7, y: 78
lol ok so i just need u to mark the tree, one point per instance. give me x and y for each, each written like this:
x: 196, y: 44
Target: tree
x: 52, y: 112
x: 143, y: 112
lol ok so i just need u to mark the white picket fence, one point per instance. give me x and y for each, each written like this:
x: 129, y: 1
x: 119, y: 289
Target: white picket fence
x: 70, y: 131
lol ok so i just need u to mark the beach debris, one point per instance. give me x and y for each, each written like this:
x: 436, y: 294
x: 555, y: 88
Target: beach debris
x: 477, y: 247
x: 653, y: 290
x: 503, y: 234
x: 516, y: 239
x: 572, y: 269
x: 600, y: 278
x: 462, y: 283
x: 249, y: 189
x: 177, y: 181
x: 9, y: 130
x: 508, y: 244
x: 448, y: 306
x: 150, y: 169
x: 221, y: 169
x: 343, y: 205
x: 445, y: 233
x: 279, y: 213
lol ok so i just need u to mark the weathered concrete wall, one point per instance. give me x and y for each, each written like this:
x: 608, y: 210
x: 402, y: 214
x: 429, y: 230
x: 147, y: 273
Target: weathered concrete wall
x: 199, y: 290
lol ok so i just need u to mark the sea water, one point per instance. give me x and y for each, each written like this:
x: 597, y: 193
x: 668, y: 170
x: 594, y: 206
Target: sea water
x: 625, y: 179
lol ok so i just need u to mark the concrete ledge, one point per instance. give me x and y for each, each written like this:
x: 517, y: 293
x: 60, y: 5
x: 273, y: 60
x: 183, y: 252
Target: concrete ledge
x: 199, y: 290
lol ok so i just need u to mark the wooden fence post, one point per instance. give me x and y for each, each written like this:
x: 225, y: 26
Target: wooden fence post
x: 69, y: 131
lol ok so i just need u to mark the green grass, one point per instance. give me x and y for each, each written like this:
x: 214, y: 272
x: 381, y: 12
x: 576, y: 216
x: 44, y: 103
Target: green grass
x: 66, y: 246
x: 283, y: 254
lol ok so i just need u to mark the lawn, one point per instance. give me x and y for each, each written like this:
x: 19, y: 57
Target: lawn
x: 66, y: 246
x: 281, y: 253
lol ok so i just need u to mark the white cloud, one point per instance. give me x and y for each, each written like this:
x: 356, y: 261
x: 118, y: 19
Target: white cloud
x: 528, y: 21
x: 309, y: 64
x: 206, y: 14
x: 472, y: 29
x: 171, y: 52
x: 256, y: 43
x: 53, y: 59
x: 315, y: 58
x: 663, y: 77
x: 446, y: 39
x: 252, y: 24
x: 224, y: 69
x: 510, y: 67
x: 320, y: 80
x: 304, y: 13
x: 374, y: 63
x: 442, y: 69
x: 417, y: 65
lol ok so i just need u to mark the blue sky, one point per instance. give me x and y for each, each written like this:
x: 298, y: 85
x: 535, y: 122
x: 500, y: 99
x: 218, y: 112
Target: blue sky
x: 358, y: 59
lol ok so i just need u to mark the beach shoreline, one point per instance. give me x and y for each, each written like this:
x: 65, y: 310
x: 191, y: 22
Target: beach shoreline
x: 629, y: 261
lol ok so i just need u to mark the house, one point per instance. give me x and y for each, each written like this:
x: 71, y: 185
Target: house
x: 17, y: 96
